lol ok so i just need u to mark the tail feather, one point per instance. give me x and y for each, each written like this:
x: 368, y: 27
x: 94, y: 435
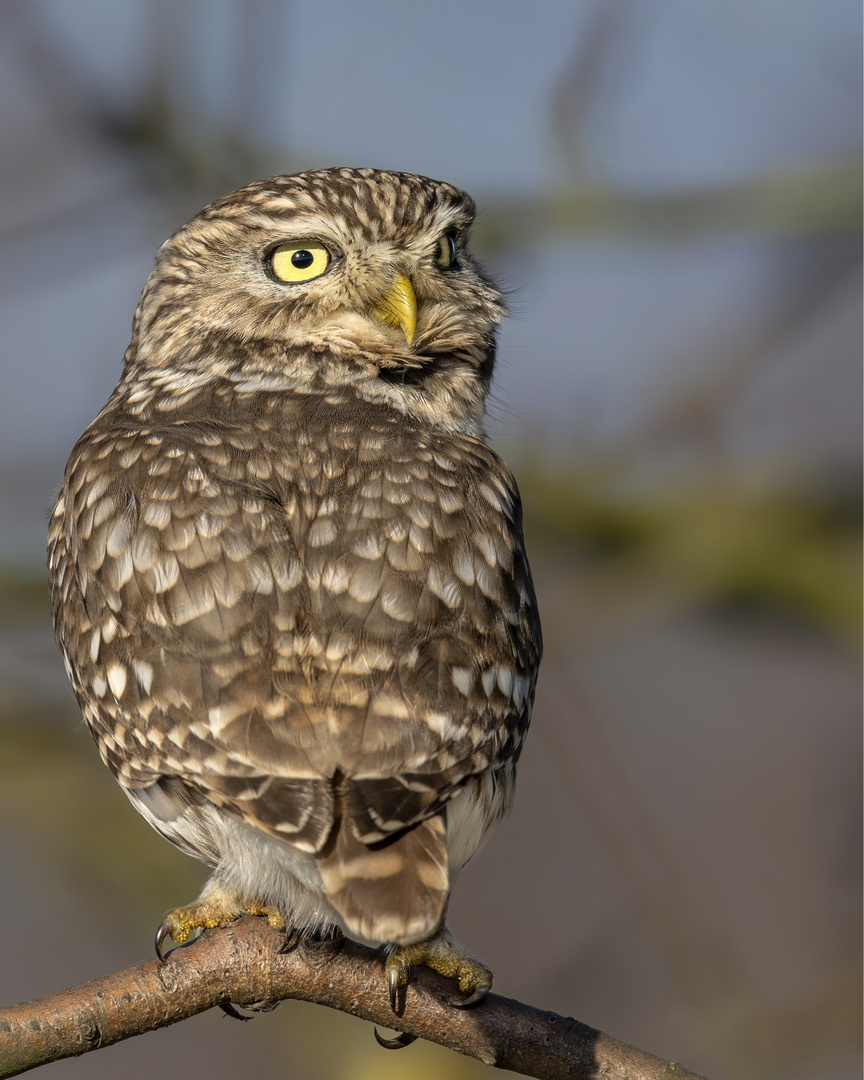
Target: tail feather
x: 392, y: 891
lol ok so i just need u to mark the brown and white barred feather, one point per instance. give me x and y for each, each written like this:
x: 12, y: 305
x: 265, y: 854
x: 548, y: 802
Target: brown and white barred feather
x: 290, y: 587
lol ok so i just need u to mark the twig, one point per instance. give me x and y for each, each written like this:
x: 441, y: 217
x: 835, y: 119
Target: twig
x: 241, y: 963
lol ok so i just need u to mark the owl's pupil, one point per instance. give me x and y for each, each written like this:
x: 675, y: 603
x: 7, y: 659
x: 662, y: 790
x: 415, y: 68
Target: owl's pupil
x: 302, y: 259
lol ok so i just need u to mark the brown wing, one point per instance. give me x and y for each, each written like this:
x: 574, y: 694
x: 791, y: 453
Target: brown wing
x: 337, y: 622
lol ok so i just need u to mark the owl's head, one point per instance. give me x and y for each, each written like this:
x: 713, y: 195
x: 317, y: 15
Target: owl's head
x: 340, y: 277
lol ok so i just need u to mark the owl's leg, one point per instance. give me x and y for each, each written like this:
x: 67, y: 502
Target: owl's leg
x: 214, y: 909
x: 445, y: 955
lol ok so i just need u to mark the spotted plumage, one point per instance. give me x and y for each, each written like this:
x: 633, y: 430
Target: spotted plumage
x: 288, y: 575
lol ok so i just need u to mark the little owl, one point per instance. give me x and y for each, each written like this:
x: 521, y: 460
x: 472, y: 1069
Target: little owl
x: 288, y: 575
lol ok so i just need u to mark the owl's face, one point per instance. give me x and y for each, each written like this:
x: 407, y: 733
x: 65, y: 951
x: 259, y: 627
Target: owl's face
x: 368, y: 271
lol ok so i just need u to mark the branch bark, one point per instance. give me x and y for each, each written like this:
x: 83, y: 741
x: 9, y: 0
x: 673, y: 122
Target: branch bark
x: 241, y: 963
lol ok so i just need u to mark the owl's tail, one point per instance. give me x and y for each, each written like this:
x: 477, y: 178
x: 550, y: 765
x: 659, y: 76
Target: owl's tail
x: 394, y: 891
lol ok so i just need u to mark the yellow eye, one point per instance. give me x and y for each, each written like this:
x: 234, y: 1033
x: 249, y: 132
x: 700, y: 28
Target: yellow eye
x: 299, y: 262
x: 445, y: 256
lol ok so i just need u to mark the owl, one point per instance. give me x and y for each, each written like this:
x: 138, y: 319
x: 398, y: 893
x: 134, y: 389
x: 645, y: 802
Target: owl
x: 288, y: 575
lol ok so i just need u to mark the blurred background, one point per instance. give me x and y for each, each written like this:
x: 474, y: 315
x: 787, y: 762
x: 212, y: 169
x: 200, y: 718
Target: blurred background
x: 670, y: 192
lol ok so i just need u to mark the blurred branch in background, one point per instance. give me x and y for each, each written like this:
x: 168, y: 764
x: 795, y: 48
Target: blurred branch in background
x: 699, y: 417
x: 795, y: 558
x: 804, y: 200
x: 153, y: 143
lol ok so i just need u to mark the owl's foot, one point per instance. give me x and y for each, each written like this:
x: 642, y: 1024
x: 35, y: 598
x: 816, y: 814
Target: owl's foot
x: 217, y: 910
x: 445, y: 955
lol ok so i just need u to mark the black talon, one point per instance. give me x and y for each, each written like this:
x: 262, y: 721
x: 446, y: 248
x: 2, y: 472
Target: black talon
x: 229, y: 1010
x: 399, y: 1043
x: 292, y: 940
x: 473, y: 999
x: 393, y: 987
x: 162, y: 932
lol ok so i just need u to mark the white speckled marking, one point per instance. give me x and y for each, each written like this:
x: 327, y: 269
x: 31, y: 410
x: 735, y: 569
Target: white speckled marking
x: 463, y: 679
x: 117, y: 679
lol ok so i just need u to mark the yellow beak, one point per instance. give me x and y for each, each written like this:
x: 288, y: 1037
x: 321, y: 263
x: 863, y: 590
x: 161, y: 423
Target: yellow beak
x: 398, y: 307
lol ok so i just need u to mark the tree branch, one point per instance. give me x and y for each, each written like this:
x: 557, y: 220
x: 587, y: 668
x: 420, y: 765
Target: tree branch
x: 241, y: 963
